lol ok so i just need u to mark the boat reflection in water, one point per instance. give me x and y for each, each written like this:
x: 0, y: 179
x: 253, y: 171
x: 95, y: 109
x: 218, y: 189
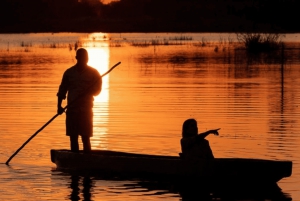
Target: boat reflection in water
x: 82, y: 188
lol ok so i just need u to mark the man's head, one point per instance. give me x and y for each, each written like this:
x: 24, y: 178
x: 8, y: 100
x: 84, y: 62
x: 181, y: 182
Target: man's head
x: 82, y: 56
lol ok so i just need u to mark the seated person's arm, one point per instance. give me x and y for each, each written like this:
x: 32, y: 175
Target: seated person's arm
x: 204, y: 134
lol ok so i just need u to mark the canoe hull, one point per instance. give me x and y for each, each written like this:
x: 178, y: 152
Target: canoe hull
x: 130, y: 165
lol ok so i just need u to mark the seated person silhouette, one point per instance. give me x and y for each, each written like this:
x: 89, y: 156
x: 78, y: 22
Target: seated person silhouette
x: 194, y: 145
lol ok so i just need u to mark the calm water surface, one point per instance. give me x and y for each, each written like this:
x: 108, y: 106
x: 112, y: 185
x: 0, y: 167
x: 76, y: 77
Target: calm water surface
x: 163, y: 79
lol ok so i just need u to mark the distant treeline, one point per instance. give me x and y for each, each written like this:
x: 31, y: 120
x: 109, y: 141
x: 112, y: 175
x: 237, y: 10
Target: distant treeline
x: 149, y: 16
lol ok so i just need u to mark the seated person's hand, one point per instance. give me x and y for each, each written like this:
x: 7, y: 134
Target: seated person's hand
x: 215, y: 132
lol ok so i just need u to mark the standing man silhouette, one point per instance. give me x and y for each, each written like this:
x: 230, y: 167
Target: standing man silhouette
x: 80, y: 83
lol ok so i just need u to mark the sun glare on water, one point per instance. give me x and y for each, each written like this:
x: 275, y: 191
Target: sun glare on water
x: 99, y: 59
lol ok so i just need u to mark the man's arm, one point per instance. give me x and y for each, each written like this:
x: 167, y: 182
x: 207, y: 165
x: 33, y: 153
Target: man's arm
x: 61, y: 94
x: 96, y: 87
x: 60, y: 109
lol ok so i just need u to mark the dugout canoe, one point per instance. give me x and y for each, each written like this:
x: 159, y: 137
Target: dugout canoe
x: 134, y: 165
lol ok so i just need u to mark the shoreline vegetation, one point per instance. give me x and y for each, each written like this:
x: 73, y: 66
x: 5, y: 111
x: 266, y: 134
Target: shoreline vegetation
x: 252, y: 42
x: 253, y: 47
x: 272, y: 16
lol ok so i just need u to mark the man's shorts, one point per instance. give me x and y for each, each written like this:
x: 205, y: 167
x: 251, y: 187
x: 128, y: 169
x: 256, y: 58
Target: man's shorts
x: 79, y: 122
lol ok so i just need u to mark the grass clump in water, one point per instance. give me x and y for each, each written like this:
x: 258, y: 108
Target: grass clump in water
x: 260, y: 42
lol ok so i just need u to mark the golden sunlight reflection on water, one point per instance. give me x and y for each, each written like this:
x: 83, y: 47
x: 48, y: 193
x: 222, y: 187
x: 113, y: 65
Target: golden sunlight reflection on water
x: 99, y: 59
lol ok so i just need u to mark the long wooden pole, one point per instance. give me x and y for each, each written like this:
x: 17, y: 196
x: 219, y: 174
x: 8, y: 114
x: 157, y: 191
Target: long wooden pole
x: 46, y: 124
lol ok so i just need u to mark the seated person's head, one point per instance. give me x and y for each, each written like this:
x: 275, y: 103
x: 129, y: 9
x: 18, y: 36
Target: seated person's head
x: 189, y: 128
